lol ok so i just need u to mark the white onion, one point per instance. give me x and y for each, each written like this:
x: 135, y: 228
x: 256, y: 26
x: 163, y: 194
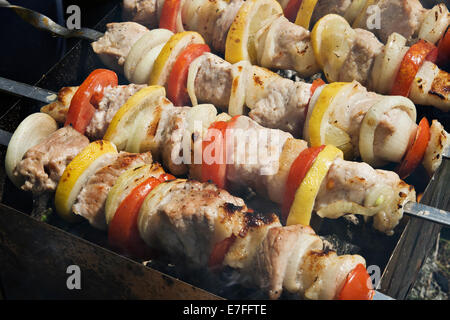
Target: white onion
x: 144, y: 68
x: 240, y: 72
x: 439, y: 141
x: 30, y: 132
x: 394, y: 146
x: 421, y: 86
x: 190, y: 14
x: 371, y: 121
x: 145, y: 43
x: 149, y: 209
x: 434, y: 24
x: 192, y: 74
x: 387, y: 63
x: 199, y: 119
x: 266, y: 38
x: 125, y: 183
x: 353, y: 11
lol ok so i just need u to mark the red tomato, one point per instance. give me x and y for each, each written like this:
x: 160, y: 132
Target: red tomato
x: 169, y: 15
x: 358, y: 285
x: 444, y: 49
x: 219, y: 251
x: 410, y: 65
x: 166, y: 177
x: 297, y: 173
x: 177, y: 86
x: 290, y: 12
x: 123, y: 231
x: 415, y: 153
x: 315, y: 84
x: 87, y: 96
x: 216, y: 172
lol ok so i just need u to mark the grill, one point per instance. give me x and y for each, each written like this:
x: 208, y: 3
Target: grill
x: 35, y: 255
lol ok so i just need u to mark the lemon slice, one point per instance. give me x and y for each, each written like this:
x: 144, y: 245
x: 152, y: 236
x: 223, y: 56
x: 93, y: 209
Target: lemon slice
x: 305, y: 13
x: 332, y: 38
x: 337, y: 41
x: 251, y: 17
x: 86, y: 163
x: 305, y: 196
x: 169, y: 54
x: 317, y: 121
x: 121, y: 126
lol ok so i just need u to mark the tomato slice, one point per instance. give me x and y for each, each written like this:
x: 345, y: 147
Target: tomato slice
x: 215, y: 169
x: 87, y: 96
x: 297, y: 173
x: 177, y: 86
x: 315, y: 84
x: 123, y: 230
x: 169, y: 15
x: 416, y: 152
x: 444, y: 49
x: 357, y: 286
x: 412, y: 61
x: 290, y: 12
x: 166, y: 177
x: 219, y: 251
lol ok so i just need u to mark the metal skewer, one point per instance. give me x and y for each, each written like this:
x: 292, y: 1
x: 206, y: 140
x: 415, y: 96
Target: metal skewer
x: 43, y: 22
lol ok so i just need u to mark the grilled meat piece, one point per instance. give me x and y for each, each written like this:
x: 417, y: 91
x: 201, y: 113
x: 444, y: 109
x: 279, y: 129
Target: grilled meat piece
x: 115, y: 45
x: 213, y: 81
x: 144, y: 12
x: 58, y: 109
x: 324, y: 7
x: 185, y: 219
x: 359, y: 62
x: 43, y: 165
x: 90, y: 202
x: 113, y: 99
x: 284, y: 45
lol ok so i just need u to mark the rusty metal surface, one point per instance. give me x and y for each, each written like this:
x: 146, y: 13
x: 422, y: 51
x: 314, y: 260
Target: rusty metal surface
x: 417, y: 239
x: 34, y: 257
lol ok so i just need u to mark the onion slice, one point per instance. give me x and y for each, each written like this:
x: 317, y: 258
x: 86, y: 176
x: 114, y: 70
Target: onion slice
x: 31, y: 131
x: 439, y: 141
x: 353, y: 11
x: 139, y: 50
x: 192, y: 74
x: 240, y: 72
x: 371, y: 121
x: 434, y: 24
x: 144, y: 68
x: 387, y: 63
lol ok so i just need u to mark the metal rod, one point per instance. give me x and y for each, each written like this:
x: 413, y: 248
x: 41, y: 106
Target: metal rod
x: 43, y: 22
x: 428, y: 213
x: 27, y: 91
